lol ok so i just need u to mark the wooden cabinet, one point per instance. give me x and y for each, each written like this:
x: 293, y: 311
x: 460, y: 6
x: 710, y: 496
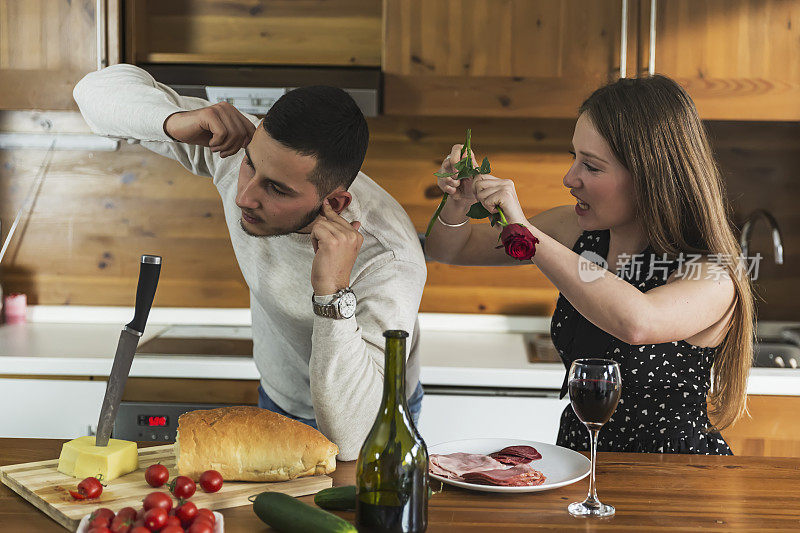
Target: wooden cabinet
x: 771, y: 430
x: 515, y: 58
x: 739, y: 60
x: 47, y: 46
x: 245, y: 32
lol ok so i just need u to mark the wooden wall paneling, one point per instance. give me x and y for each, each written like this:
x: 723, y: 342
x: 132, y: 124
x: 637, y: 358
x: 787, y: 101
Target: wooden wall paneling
x: 97, y: 212
x: 270, y: 32
x: 738, y: 60
x: 89, y: 225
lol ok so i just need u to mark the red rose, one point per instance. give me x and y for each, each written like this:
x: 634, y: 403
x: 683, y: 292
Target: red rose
x: 518, y: 241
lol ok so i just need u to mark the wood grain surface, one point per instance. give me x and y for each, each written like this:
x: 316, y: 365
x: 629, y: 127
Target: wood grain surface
x: 41, y: 484
x: 651, y: 492
x: 98, y: 211
x: 243, y: 32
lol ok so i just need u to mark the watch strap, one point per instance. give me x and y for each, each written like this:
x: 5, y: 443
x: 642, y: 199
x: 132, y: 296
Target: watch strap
x: 330, y: 309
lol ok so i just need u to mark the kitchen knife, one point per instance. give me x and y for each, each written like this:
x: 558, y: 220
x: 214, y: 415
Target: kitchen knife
x: 149, y: 270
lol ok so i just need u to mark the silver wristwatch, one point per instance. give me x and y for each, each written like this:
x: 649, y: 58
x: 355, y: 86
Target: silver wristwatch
x: 341, y: 305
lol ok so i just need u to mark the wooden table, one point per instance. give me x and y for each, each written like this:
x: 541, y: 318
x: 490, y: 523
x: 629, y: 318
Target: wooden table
x: 650, y: 491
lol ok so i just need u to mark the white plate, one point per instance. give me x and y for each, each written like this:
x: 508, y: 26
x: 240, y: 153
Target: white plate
x: 219, y: 525
x: 561, y: 466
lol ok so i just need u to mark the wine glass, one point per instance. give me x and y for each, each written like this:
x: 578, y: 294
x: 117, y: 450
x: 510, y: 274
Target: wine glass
x: 595, y: 386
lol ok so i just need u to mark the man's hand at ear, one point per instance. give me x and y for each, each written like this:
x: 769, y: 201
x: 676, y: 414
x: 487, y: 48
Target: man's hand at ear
x: 220, y: 127
x: 336, y: 244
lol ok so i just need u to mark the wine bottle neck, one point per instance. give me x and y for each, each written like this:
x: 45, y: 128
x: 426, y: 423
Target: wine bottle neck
x: 394, y: 381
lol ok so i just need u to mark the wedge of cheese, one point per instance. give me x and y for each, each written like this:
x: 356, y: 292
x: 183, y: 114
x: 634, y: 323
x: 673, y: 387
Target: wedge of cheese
x: 81, y: 458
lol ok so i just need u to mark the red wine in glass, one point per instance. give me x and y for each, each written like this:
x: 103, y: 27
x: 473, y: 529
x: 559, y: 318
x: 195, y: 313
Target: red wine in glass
x: 594, y: 399
x: 595, y: 387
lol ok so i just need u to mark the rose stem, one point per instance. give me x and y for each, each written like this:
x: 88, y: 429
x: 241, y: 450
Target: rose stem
x: 436, y: 214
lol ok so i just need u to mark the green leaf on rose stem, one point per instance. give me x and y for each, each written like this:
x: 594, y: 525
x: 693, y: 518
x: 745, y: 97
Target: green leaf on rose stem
x: 485, y: 167
x: 464, y: 174
x: 477, y: 211
x: 445, y: 174
x: 494, y: 218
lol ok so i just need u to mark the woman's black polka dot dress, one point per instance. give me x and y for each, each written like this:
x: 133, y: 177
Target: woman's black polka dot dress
x: 664, y: 386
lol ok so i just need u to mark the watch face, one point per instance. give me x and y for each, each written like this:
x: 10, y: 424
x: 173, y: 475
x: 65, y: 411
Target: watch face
x: 347, y: 305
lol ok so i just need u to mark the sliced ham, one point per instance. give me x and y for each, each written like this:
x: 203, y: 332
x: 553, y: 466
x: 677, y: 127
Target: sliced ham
x: 454, y: 465
x: 492, y: 469
x: 516, y: 476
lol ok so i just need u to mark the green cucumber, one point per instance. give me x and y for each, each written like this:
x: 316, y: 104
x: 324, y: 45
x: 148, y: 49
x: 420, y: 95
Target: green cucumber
x: 289, y: 515
x: 337, y: 498
x: 343, y: 498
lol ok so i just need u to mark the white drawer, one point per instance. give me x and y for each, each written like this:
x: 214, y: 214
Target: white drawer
x: 447, y: 417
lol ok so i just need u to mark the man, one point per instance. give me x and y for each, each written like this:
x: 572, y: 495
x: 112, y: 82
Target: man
x: 304, y: 223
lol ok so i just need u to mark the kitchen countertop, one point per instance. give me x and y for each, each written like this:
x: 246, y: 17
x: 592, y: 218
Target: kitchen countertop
x: 455, y: 350
x: 650, y: 492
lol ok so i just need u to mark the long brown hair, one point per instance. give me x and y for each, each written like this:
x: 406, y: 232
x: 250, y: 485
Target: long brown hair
x: 652, y: 126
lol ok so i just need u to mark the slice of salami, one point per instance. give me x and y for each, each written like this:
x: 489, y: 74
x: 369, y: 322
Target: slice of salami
x: 528, y: 452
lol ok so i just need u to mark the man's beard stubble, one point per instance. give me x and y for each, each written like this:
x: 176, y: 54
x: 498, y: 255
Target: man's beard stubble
x: 308, y: 218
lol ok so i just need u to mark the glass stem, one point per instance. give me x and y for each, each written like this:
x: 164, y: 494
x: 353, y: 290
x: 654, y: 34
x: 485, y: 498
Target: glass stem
x: 591, y: 498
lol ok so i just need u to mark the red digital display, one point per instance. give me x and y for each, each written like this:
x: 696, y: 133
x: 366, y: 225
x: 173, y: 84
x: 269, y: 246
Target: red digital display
x: 156, y: 421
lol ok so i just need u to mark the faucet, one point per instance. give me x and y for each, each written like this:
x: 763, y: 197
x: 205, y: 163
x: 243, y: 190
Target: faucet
x: 747, y: 230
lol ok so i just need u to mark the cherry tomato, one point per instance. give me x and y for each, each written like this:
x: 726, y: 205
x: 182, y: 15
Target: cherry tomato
x: 98, y: 529
x: 173, y: 520
x: 200, y: 526
x: 102, y: 512
x: 99, y: 521
x: 127, y: 512
x: 156, y: 475
x: 157, y: 499
x: 123, y: 521
x: 182, y: 487
x: 88, y: 489
x: 211, y: 481
x: 121, y: 527
x: 140, y: 529
x: 207, y: 513
x: 155, y: 519
x: 172, y: 529
x: 186, y: 513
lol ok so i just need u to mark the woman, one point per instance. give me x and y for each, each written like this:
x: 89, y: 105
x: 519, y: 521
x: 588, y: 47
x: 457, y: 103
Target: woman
x: 647, y: 188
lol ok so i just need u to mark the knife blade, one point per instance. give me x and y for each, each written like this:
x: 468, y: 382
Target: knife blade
x: 149, y: 269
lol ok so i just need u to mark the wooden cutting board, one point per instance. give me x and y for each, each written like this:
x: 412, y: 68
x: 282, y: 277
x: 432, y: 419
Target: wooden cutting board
x: 47, y: 488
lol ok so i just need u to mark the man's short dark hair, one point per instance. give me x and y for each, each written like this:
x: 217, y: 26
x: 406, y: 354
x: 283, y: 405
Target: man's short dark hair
x: 326, y: 123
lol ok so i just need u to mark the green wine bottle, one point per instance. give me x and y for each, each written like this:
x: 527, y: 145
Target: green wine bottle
x: 392, y: 471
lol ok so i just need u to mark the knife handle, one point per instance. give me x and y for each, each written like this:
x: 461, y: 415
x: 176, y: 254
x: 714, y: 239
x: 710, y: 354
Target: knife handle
x: 149, y: 270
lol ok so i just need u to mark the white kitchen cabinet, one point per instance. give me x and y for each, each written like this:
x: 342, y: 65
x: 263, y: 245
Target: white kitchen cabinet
x: 447, y: 416
x: 50, y: 408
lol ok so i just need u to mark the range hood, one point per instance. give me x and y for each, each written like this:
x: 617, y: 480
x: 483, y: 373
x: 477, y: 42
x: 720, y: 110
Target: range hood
x: 253, y: 89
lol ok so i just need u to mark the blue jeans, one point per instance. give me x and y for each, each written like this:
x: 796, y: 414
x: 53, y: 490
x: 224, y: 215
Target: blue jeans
x: 265, y: 402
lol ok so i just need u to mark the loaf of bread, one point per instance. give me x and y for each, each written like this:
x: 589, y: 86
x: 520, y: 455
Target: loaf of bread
x: 247, y: 443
